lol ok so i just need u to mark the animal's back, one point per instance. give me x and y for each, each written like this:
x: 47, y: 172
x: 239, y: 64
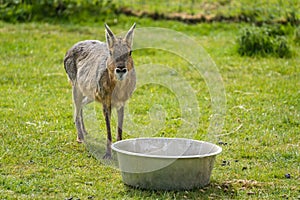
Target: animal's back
x: 85, y: 63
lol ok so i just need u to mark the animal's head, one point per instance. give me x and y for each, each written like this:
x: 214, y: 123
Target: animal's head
x: 119, y: 61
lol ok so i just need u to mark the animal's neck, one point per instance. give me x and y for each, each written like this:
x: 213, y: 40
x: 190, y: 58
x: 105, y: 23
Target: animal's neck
x: 111, y: 80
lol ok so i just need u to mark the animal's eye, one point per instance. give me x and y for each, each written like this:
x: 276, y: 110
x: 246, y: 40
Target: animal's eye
x: 130, y: 52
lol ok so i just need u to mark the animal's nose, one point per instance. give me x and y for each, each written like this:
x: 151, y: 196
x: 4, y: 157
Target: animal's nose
x: 121, y: 70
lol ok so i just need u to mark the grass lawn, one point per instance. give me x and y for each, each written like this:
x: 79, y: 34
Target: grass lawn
x: 39, y: 155
x: 245, y: 10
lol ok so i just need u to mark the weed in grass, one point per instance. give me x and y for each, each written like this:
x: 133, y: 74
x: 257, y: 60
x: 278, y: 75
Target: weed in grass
x: 297, y: 35
x: 282, y: 48
x: 263, y: 41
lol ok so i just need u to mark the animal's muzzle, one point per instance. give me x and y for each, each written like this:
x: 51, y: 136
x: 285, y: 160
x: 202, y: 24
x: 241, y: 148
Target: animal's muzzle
x: 121, y: 73
x: 121, y: 70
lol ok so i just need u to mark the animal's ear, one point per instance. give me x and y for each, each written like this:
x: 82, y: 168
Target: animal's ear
x: 129, y: 36
x: 110, y: 36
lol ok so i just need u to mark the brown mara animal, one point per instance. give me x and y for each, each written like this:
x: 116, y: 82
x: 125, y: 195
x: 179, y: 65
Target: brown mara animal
x: 101, y: 72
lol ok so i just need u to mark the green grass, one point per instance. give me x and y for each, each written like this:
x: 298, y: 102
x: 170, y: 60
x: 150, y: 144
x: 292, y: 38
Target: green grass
x: 246, y: 10
x: 80, y: 11
x: 39, y: 156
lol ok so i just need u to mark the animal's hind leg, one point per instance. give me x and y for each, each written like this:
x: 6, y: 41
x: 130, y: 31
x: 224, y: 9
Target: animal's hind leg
x: 84, y: 132
x: 85, y: 101
x: 78, y: 118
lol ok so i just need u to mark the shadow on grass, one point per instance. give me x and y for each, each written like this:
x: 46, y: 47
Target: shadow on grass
x: 97, y: 148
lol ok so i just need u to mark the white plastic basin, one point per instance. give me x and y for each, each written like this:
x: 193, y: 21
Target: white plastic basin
x: 166, y: 163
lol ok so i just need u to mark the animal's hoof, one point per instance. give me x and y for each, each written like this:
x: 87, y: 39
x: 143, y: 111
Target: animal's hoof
x: 79, y: 140
x: 107, y: 156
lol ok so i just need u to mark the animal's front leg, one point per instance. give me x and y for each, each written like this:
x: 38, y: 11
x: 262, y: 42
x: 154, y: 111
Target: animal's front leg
x: 107, y: 114
x: 120, y: 123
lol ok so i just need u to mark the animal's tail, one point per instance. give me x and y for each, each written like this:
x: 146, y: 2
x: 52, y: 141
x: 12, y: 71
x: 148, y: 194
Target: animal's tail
x: 70, y: 66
